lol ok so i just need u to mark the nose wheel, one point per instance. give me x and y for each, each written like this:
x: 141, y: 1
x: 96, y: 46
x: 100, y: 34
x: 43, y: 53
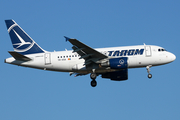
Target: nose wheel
x: 93, y: 77
x: 148, y: 70
x: 149, y: 75
x: 93, y: 83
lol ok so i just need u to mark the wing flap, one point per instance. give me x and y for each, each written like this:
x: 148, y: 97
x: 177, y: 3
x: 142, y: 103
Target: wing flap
x: 80, y: 52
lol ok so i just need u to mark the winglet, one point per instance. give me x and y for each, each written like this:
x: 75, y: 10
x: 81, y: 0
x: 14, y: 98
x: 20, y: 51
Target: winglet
x: 67, y: 39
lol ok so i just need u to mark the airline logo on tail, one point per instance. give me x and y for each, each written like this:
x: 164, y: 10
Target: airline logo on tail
x: 21, y: 41
x: 22, y: 46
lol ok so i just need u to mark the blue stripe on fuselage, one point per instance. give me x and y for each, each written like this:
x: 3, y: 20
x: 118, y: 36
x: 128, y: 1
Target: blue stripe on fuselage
x: 126, y: 52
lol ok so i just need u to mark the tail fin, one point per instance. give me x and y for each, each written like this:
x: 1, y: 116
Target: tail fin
x: 21, y: 41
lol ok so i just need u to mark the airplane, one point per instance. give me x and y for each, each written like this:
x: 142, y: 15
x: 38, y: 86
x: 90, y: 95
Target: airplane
x: 111, y: 63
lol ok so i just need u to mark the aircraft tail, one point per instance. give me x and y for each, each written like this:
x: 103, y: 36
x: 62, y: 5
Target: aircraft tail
x: 21, y: 41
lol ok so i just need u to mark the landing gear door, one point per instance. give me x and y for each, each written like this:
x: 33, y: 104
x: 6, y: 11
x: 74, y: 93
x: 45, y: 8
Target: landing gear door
x: 47, y: 58
x: 148, y: 51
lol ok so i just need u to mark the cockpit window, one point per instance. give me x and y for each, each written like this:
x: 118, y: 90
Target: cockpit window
x: 161, y: 50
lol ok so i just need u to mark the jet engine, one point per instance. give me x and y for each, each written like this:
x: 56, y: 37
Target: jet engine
x: 116, y: 63
x: 116, y: 75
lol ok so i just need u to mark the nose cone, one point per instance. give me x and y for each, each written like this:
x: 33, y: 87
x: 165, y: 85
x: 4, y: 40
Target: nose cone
x: 173, y: 57
x: 170, y: 57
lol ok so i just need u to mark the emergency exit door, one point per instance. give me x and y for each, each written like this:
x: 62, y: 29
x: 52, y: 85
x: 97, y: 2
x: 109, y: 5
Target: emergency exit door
x: 47, y: 58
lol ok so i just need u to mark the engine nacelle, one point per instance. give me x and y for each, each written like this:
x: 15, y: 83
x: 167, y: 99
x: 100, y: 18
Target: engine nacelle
x: 117, y: 75
x: 116, y: 63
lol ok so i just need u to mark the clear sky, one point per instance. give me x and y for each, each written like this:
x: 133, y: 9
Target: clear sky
x: 31, y: 94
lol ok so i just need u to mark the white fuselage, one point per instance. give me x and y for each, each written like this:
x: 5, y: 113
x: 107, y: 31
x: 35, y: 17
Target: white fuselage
x: 67, y: 61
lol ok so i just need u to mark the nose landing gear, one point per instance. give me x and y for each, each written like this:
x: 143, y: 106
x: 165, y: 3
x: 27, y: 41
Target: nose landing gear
x: 149, y: 75
x: 148, y: 70
x: 93, y: 77
x: 93, y: 83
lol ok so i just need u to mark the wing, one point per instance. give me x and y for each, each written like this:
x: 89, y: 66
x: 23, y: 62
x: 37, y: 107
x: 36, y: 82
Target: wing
x: 87, y: 53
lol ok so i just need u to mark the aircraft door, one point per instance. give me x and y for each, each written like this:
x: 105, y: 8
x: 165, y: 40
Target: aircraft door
x: 148, y: 51
x: 47, y: 58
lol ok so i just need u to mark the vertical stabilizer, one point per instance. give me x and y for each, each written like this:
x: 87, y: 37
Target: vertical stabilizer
x: 21, y: 41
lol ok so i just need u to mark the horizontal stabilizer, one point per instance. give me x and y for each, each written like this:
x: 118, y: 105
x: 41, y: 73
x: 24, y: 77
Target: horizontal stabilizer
x: 18, y: 56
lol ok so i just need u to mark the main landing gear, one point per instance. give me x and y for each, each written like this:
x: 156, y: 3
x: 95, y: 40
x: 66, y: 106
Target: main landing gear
x: 93, y: 77
x: 148, y: 70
